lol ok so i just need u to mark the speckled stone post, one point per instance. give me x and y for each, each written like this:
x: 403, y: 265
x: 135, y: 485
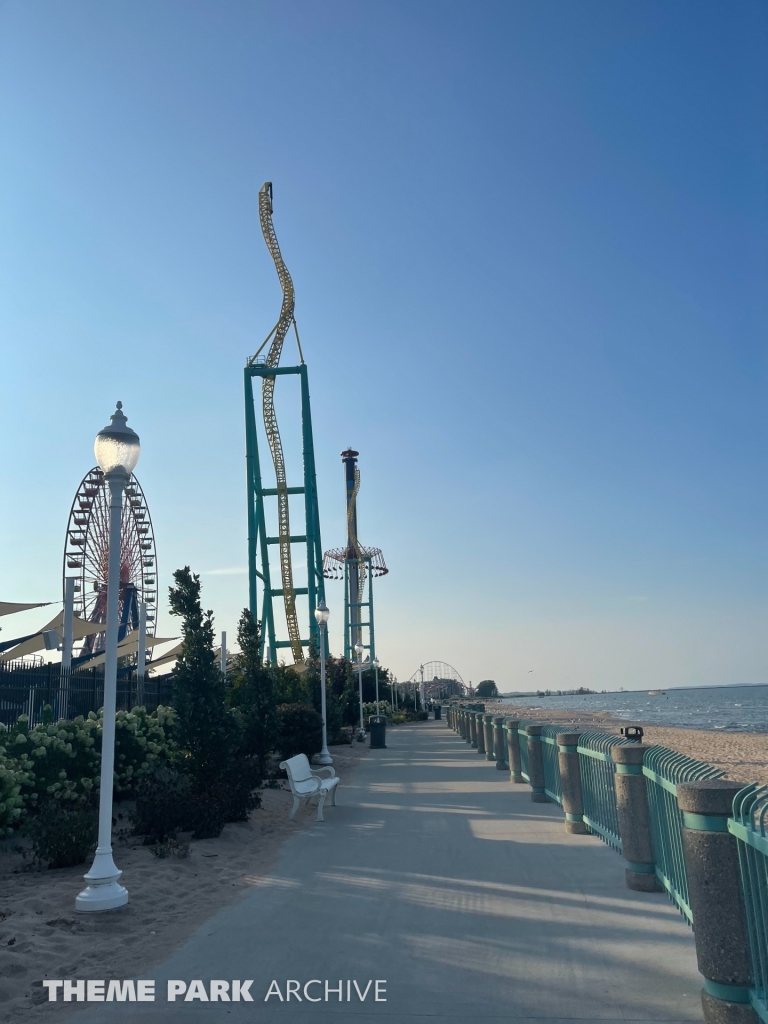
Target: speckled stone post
x: 467, y: 733
x: 714, y: 894
x: 488, y: 731
x: 536, y: 764
x: 634, y: 818
x: 499, y: 746
x: 480, y: 733
x: 570, y: 782
x: 473, y: 728
x: 460, y: 722
x: 511, y: 726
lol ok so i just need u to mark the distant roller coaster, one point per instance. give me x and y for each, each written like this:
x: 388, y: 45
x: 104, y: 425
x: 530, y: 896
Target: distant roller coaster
x: 439, y: 679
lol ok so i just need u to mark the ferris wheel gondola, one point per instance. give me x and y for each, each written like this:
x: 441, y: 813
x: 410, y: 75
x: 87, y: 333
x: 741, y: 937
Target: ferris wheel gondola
x: 86, y: 557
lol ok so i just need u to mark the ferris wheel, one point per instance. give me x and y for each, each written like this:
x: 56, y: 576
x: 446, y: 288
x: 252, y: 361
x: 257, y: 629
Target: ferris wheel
x: 86, y: 557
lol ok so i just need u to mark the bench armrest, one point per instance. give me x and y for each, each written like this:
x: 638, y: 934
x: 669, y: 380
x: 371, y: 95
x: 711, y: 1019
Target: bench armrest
x: 324, y: 768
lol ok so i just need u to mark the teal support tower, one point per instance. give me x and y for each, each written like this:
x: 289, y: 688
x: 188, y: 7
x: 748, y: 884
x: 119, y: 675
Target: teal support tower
x: 272, y: 504
x: 357, y: 566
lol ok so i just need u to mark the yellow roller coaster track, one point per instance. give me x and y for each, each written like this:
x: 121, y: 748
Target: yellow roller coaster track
x: 280, y: 330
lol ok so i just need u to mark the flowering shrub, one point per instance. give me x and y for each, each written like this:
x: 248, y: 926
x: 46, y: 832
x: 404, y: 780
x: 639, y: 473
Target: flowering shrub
x: 62, y: 760
x: 370, y: 709
x: 12, y: 778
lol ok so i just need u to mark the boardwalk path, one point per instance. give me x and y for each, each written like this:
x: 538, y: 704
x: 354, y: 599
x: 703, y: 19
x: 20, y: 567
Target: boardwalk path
x: 438, y: 875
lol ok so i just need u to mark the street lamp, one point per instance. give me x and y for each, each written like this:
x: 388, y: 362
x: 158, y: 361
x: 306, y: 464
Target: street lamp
x: 376, y: 667
x: 322, y: 615
x: 117, y: 451
x: 359, y: 650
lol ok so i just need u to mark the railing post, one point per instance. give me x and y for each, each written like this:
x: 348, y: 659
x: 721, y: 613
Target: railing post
x: 473, y: 728
x: 717, y: 905
x: 480, y: 732
x: 488, y: 731
x: 511, y: 725
x: 499, y: 746
x: 570, y: 782
x: 467, y: 727
x: 462, y: 723
x: 536, y: 764
x: 634, y: 818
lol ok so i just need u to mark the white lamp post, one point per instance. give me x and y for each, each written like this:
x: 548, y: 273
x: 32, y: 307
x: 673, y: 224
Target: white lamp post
x: 376, y: 668
x: 359, y: 650
x: 322, y: 615
x: 117, y: 451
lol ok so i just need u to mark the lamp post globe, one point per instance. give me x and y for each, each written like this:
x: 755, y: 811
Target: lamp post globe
x: 322, y: 615
x: 360, y: 650
x: 117, y: 449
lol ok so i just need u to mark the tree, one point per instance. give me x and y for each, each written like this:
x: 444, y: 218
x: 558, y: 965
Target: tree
x: 487, y: 689
x: 253, y: 692
x: 311, y: 678
x: 222, y: 779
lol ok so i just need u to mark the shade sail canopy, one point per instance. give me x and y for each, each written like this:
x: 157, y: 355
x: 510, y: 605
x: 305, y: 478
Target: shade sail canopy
x: 128, y: 646
x: 80, y: 628
x: 9, y: 607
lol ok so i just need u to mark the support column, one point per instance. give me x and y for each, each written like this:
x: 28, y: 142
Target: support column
x: 499, y: 746
x: 488, y: 731
x: 480, y: 732
x: 570, y: 782
x: 473, y: 728
x: 634, y: 818
x: 716, y: 901
x: 536, y: 764
x: 511, y: 726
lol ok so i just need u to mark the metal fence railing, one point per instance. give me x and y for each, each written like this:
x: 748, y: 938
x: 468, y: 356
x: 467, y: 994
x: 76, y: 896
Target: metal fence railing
x: 26, y: 690
x: 523, y: 749
x: 598, y: 786
x: 549, y: 753
x: 663, y: 770
x: 750, y: 809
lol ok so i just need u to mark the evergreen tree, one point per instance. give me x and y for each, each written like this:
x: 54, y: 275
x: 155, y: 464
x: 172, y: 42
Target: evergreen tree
x: 222, y: 779
x: 254, y: 692
x: 312, y: 679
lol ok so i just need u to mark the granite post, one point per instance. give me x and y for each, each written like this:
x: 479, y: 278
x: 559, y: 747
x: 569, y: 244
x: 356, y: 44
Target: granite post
x: 716, y: 901
x: 570, y: 782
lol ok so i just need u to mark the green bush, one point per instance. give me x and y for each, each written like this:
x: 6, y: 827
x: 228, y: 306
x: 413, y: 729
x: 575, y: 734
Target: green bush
x: 397, y: 718
x: 62, y: 760
x: 422, y: 716
x: 301, y: 730
x: 163, y: 804
x: 12, y: 779
x: 62, y: 835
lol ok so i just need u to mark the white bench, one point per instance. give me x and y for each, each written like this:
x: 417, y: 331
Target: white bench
x: 306, y: 783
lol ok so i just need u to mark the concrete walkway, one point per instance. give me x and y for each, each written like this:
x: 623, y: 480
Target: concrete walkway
x: 439, y: 876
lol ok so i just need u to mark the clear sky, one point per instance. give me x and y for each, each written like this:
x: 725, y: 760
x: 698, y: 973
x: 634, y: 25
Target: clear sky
x: 529, y: 247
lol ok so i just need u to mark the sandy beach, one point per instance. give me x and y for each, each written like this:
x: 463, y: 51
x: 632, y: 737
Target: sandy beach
x: 42, y: 936
x: 743, y: 756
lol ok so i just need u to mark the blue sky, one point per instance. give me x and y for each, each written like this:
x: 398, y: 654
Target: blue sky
x: 529, y: 248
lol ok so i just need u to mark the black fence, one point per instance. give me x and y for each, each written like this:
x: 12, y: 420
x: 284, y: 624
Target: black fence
x: 26, y: 691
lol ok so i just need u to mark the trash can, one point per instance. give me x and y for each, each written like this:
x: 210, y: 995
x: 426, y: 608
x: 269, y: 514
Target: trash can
x: 438, y: 712
x: 378, y: 732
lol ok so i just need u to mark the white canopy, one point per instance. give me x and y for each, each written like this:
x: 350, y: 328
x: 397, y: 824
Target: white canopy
x: 9, y: 607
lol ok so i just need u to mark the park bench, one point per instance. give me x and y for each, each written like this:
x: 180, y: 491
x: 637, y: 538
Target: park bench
x: 307, y: 783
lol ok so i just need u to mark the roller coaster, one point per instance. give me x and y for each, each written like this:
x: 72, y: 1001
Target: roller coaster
x: 440, y: 680
x: 259, y: 571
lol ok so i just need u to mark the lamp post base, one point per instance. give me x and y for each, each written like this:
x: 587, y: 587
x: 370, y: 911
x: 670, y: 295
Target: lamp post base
x: 103, y: 891
x: 324, y: 757
x: 96, y: 898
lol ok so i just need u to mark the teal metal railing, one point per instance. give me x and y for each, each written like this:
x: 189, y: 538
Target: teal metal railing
x: 663, y: 769
x: 597, y: 785
x: 549, y: 753
x: 750, y: 809
x: 524, y: 749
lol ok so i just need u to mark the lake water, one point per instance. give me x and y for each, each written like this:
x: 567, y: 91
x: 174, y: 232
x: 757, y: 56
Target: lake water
x: 711, y: 707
